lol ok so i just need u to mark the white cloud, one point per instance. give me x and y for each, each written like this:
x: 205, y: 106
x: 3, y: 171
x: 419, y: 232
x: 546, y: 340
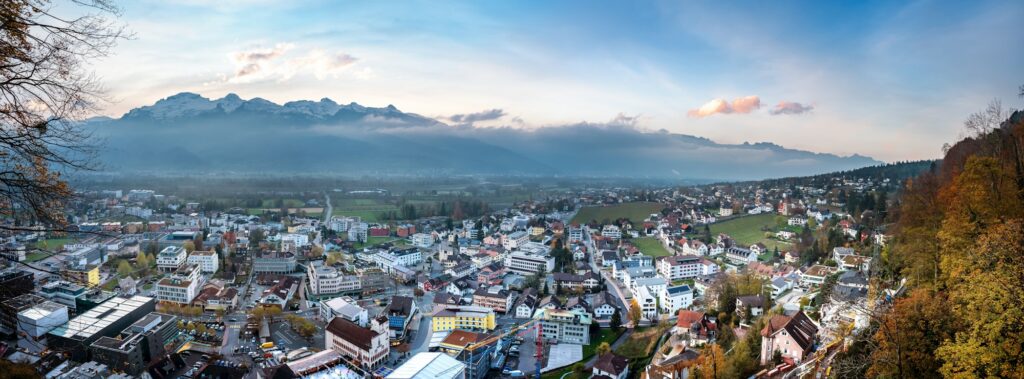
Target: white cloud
x: 280, y: 64
x: 742, y: 105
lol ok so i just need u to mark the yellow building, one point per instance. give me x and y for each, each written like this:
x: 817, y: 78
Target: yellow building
x: 464, y: 317
x: 88, y: 275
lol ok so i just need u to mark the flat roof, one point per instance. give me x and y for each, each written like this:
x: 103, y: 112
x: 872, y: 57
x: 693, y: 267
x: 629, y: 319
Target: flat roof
x: 96, y: 319
x: 427, y: 365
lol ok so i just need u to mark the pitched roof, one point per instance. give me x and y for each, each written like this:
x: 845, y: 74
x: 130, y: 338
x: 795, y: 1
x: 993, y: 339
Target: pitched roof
x: 611, y: 363
x: 400, y: 306
x: 351, y: 332
x: 798, y: 326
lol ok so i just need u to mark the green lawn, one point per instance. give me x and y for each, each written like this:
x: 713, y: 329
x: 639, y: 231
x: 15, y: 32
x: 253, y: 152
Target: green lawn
x: 607, y: 335
x: 635, y: 212
x: 367, y: 209
x: 53, y: 243
x: 747, y: 230
x: 290, y: 203
x: 35, y: 256
x: 641, y: 343
x: 372, y: 241
x: 651, y: 246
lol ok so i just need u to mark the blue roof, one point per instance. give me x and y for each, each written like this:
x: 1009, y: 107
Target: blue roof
x: 678, y: 289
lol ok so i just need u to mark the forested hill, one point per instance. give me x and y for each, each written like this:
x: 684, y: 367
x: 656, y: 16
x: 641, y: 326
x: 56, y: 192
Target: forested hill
x: 959, y: 244
x: 894, y: 172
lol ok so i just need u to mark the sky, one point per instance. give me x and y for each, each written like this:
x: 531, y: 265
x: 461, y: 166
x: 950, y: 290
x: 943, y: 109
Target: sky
x: 890, y: 80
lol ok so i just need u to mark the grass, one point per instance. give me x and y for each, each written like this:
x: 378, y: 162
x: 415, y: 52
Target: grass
x: 641, y: 343
x: 368, y: 210
x: 635, y: 212
x: 290, y: 203
x: 747, y: 230
x: 651, y: 246
x: 372, y: 241
x: 54, y: 243
x: 606, y: 335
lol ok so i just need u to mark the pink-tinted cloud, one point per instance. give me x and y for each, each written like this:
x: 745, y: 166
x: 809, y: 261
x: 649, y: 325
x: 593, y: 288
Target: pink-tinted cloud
x: 742, y: 105
x: 788, y: 107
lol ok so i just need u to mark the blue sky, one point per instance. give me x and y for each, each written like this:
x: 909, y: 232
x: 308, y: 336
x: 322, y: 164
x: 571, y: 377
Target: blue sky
x: 891, y: 80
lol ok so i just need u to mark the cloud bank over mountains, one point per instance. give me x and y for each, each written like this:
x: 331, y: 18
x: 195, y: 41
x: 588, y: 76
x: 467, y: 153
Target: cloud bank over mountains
x: 190, y: 133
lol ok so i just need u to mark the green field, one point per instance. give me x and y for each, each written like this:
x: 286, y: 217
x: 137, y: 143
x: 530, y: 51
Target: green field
x: 747, y: 230
x: 53, y: 244
x: 372, y: 241
x: 290, y: 203
x: 635, y: 212
x: 607, y: 335
x: 641, y: 343
x: 651, y: 246
x: 368, y: 210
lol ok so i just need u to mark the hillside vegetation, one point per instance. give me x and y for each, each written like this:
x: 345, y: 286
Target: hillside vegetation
x: 959, y: 241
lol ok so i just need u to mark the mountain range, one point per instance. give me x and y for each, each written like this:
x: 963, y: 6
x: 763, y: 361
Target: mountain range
x: 191, y: 133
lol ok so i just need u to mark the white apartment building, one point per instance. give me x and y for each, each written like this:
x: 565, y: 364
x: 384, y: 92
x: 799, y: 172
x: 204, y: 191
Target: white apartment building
x: 676, y: 298
x: 611, y: 231
x: 171, y: 258
x: 325, y: 280
x: 685, y: 266
x: 424, y: 240
x: 524, y: 263
x: 515, y: 240
x: 208, y: 261
x: 358, y: 231
x: 299, y: 240
x: 181, y: 286
x: 575, y: 234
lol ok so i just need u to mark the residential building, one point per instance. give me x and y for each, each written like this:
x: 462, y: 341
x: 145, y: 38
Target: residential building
x: 575, y: 233
x: 755, y: 304
x: 181, y: 286
x: 696, y: 327
x: 399, y: 313
x: 515, y: 240
x: 527, y: 264
x: 611, y: 231
x: 792, y: 336
x: 208, y: 261
x: 495, y: 297
x: 685, y: 267
x: 346, y: 308
x: 675, y: 298
x: 88, y: 275
x: 740, y: 256
x: 363, y: 347
x: 466, y: 317
x: 422, y: 240
x: 603, y: 305
x: 564, y: 326
x: 815, y: 275
x: 171, y: 258
x: 610, y: 365
x: 275, y: 262
x: 327, y: 280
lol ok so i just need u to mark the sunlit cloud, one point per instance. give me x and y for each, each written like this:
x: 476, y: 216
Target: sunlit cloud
x: 787, y: 107
x: 742, y: 105
x: 280, y: 64
x: 469, y: 118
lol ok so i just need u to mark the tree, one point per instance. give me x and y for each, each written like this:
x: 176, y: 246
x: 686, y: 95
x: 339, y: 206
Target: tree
x: 189, y: 246
x: 46, y: 89
x: 712, y: 362
x: 616, y: 321
x: 909, y: 334
x: 124, y: 269
x: 635, y: 314
x: 603, y: 348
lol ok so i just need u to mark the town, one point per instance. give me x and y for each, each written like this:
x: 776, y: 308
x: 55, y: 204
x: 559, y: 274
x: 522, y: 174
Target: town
x: 589, y: 282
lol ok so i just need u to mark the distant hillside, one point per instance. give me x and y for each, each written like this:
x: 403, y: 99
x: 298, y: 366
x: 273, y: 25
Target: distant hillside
x: 188, y: 133
x: 895, y: 172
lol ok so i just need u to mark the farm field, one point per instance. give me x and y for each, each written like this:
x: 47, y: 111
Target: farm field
x: 368, y: 210
x: 747, y: 230
x: 651, y: 246
x: 635, y: 212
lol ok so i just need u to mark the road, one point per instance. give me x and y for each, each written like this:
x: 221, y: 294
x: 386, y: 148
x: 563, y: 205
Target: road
x: 328, y: 209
